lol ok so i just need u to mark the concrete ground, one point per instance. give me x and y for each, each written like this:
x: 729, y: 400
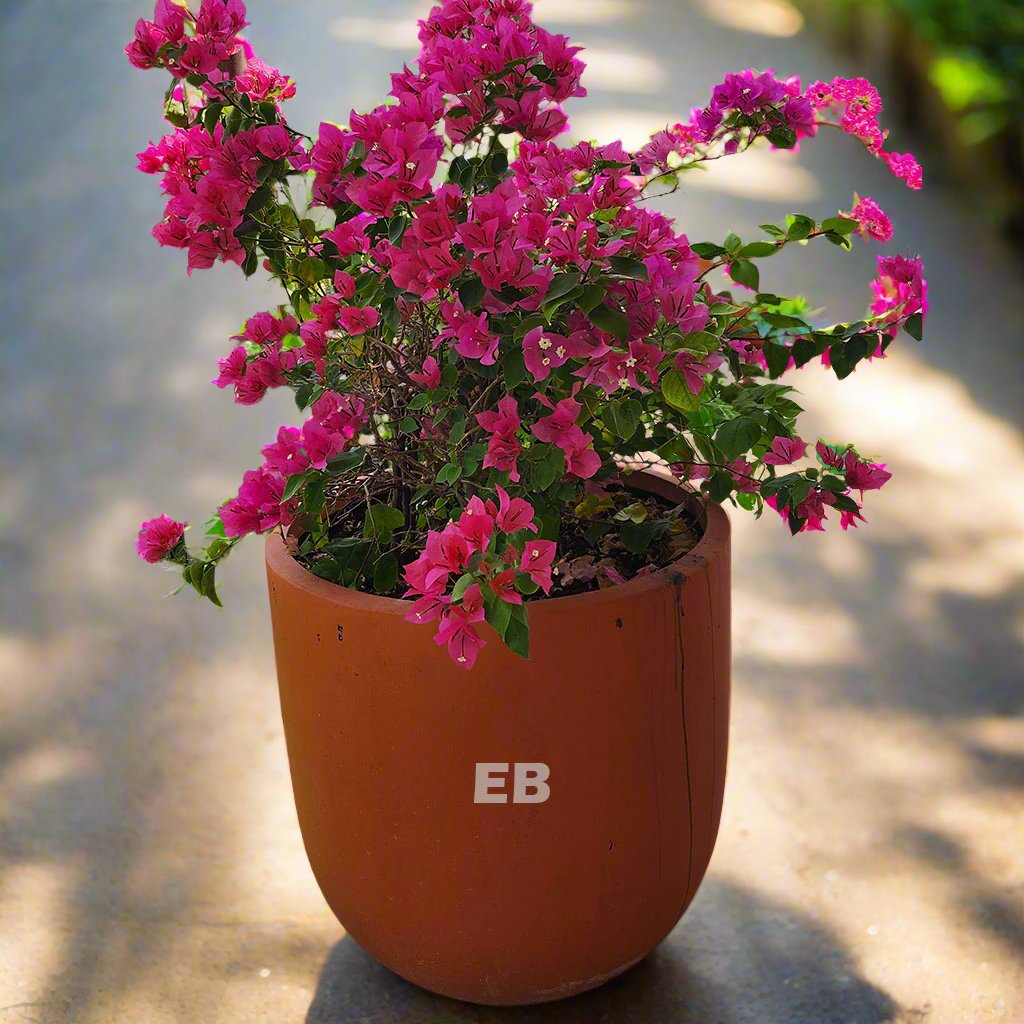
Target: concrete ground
x: 870, y: 865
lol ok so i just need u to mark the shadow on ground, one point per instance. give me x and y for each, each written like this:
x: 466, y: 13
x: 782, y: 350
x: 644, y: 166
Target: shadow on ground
x: 712, y: 968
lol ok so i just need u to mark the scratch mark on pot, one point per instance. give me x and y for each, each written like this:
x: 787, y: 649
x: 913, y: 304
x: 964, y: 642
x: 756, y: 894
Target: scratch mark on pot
x: 714, y: 709
x: 318, y: 638
x: 681, y: 663
x: 341, y: 634
x: 618, y: 623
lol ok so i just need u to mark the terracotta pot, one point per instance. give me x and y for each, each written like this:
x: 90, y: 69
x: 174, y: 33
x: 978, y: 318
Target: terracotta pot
x: 625, y: 700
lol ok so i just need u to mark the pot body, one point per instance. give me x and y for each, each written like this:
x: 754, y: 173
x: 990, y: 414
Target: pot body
x: 462, y: 872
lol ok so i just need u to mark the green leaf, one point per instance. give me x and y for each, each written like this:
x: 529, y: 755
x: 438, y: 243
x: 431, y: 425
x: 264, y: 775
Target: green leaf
x: 840, y: 225
x: 782, y: 137
x: 211, y: 116
x: 517, y: 633
x: 782, y: 321
x: 799, y: 227
x: 591, y: 295
x: 757, y: 249
x: 513, y: 368
x: 312, y: 269
x: 457, y: 429
x: 736, y: 437
x: 676, y: 393
x: 385, y: 573
x: 732, y: 243
x: 561, y: 284
x: 707, y: 250
x: 381, y: 522
x: 449, y: 474
x: 610, y: 319
x: 745, y: 272
x: 471, y: 292
x: 622, y: 418
x: 915, y: 326
x: 462, y: 584
x: 347, y: 461
x: 291, y: 341
x: 624, y: 266
x: 637, y: 537
x: 548, y: 469
x: 214, y: 526
x: 294, y: 484
x: 778, y: 357
x: 498, y: 614
x: 701, y: 342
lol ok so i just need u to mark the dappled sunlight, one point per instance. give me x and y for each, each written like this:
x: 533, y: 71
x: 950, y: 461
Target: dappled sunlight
x: 588, y: 12
x: 797, y: 634
x: 974, y: 536
x: 31, y: 936
x: 623, y: 71
x: 777, y: 18
x: 855, y: 866
x: 385, y: 33
x: 632, y: 125
x: 761, y: 174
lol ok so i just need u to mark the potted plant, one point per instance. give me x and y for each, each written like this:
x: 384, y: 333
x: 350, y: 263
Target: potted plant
x: 524, y: 396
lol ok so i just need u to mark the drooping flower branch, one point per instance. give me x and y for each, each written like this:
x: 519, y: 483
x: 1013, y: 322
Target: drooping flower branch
x: 483, y: 327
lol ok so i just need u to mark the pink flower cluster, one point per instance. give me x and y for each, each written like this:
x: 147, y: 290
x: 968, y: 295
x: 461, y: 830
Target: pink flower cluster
x: 251, y: 375
x: 158, y: 538
x: 859, y: 474
x: 209, y: 179
x: 857, y: 104
x: 872, y: 219
x: 486, y: 542
x: 900, y: 289
x: 208, y: 182
x: 260, y: 504
x: 750, y: 92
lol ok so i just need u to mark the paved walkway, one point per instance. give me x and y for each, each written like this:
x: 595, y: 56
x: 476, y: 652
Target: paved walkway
x: 870, y: 864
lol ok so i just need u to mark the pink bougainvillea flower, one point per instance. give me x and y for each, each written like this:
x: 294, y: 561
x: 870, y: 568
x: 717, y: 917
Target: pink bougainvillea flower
x: 743, y: 476
x: 864, y: 476
x: 694, y: 370
x: 503, y: 446
x: 560, y: 427
x: 477, y: 524
x: 872, y: 219
x: 537, y: 561
x: 457, y: 630
x: 158, y: 537
x: 582, y: 462
x: 286, y: 455
x: 258, y: 507
x: 544, y: 352
x: 344, y: 284
x: 503, y: 585
x: 829, y: 455
x: 784, y: 451
x: 905, y: 167
x: 430, y: 375
x: 358, y: 319
x: 514, y: 514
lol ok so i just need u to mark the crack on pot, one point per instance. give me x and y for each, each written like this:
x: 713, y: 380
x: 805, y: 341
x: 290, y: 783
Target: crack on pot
x: 714, y: 709
x: 679, y: 579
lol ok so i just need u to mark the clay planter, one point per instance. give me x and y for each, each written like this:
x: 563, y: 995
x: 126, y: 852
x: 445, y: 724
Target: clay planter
x: 625, y: 700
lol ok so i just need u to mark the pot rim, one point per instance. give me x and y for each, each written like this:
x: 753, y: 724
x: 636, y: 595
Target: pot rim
x: 715, y: 537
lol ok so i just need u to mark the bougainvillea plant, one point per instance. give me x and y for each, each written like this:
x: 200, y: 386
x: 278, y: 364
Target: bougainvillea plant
x: 484, y: 329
